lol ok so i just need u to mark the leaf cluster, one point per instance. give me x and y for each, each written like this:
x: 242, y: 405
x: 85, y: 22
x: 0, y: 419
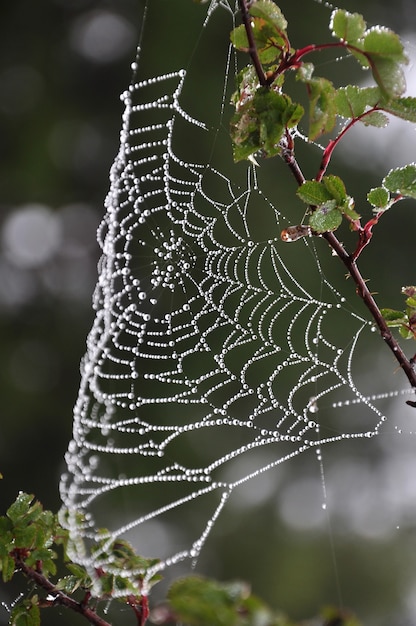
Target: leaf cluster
x: 398, y: 184
x: 263, y: 113
x: 379, y: 49
x: 330, y: 202
x: 29, y: 538
x: 405, y: 320
x: 28, y: 534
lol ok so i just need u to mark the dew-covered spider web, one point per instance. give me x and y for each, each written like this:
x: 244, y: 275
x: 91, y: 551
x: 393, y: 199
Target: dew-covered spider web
x: 218, y: 353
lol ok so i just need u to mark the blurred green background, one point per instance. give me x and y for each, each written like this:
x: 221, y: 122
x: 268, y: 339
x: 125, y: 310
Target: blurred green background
x: 63, y: 64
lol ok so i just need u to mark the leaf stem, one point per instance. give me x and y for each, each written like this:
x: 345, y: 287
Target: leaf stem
x: 313, y: 47
x: 332, y: 144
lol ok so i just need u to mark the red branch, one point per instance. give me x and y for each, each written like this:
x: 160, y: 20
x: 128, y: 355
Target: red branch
x: 332, y: 144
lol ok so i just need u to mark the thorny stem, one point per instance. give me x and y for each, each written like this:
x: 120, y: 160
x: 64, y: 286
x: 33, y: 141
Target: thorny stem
x: 57, y: 596
x: 363, y: 292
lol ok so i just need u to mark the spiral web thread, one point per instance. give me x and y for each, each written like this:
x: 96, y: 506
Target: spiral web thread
x: 212, y: 339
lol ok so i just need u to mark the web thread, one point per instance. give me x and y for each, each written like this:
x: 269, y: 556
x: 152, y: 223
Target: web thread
x: 212, y: 341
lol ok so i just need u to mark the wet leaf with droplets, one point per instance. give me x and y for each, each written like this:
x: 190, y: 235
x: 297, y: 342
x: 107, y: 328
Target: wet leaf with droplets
x: 347, y: 26
x: 325, y: 218
x: 402, y: 180
x: 379, y: 197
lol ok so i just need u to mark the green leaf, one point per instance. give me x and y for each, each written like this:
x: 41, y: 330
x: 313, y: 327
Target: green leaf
x: 7, y: 566
x: 239, y: 38
x: 269, y: 11
x: 202, y: 602
x: 348, y: 209
x: 259, y: 123
x: 305, y: 72
x: 335, y: 186
x: 411, y: 303
x: 322, y: 110
x: 6, y: 527
x: 389, y: 76
x: 347, y: 26
x: 384, y: 43
x: 326, y: 217
x: 268, y: 27
x: 244, y: 135
x: 269, y: 31
x: 410, y: 292
x: 402, y: 180
x: 406, y: 333
x: 107, y: 584
x: 393, y: 317
x: 68, y: 584
x: 78, y: 572
x: 376, y: 119
x: 314, y: 193
x: 405, y: 321
x: 322, y: 105
x: 379, y: 197
x: 46, y: 556
x: 352, y: 101
x: 268, y: 44
x: 386, y: 56
x: 25, y: 614
x: 405, y: 108
x: 20, y: 507
x: 25, y: 537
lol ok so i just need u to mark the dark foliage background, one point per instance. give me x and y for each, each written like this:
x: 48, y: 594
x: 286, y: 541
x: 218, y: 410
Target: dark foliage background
x: 63, y: 64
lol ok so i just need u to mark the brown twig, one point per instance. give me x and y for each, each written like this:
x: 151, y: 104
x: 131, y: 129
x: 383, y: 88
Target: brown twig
x: 362, y: 290
x: 364, y: 293
x: 252, y: 50
x: 58, y: 596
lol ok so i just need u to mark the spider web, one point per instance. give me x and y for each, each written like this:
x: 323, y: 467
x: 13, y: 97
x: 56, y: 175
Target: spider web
x: 213, y: 340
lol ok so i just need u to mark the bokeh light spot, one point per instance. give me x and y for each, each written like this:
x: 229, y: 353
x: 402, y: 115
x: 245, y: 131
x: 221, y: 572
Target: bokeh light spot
x: 102, y: 36
x: 31, y: 235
